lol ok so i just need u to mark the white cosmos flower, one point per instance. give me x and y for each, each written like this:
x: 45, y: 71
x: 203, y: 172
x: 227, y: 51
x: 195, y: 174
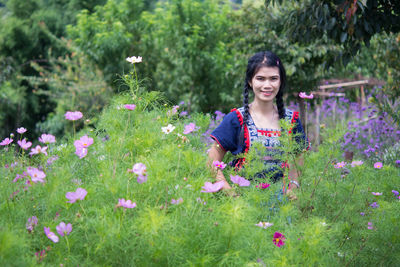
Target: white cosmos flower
x: 134, y: 60
x: 168, y: 129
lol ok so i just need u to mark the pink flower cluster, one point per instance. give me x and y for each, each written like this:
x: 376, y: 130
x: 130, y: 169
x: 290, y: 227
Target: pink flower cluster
x: 37, y: 150
x: 79, y: 194
x: 140, y: 170
x: 62, y: 229
x: 24, y: 144
x: 219, y: 164
x: 73, y: 115
x: 176, y: 201
x: 81, y: 146
x: 212, y: 187
x: 239, y: 180
x: 126, y: 204
x: 191, y: 127
x: 130, y: 106
x: 36, y: 174
x: 6, y: 142
x: 47, y: 138
x: 304, y: 95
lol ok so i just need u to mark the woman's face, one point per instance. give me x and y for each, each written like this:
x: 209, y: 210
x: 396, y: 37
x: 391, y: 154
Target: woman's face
x: 265, y: 84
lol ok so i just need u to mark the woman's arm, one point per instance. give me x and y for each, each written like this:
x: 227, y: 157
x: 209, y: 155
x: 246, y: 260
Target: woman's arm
x: 217, y: 153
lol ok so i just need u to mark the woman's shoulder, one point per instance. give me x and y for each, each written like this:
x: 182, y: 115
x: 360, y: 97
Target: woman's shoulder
x: 291, y: 115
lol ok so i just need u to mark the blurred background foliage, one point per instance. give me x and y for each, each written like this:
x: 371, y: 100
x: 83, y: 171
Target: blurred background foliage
x: 66, y: 55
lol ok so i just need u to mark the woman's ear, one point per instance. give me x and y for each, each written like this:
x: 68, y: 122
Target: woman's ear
x: 250, y: 84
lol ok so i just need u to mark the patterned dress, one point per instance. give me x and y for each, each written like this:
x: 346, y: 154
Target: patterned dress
x: 227, y: 136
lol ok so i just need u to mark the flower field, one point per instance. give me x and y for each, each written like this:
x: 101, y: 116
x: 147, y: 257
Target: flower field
x: 135, y: 191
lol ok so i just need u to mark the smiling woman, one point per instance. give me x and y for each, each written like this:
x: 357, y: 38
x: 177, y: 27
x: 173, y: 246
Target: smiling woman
x: 259, y: 122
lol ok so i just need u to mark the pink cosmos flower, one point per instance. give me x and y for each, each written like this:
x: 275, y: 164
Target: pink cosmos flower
x: 139, y: 169
x: 52, y: 236
x: 177, y: 201
x: 127, y: 204
x: 212, y: 188
x: 47, y: 138
x: 36, y: 174
x: 239, y: 180
x: 130, y: 106
x: 24, y: 144
x: 378, y: 165
x: 73, y: 115
x: 32, y: 222
x: 356, y: 163
x: 219, y: 164
x: 64, y: 229
x: 304, y: 95
x: 191, y: 127
x: 340, y: 165
x: 263, y: 185
x: 377, y: 194
x: 37, y: 150
x: 21, y: 130
x: 85, y: 141
x: 80, y: 193
x: 264, y: 225
x: 6, y: 142
x: 278, y: 239
x: 134, y: 60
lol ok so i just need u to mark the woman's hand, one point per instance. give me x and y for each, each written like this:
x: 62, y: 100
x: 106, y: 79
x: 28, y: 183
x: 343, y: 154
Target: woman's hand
x: 291, y: 195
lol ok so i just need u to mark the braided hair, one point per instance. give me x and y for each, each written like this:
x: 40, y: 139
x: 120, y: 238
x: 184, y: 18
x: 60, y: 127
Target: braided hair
x: 257, y: 61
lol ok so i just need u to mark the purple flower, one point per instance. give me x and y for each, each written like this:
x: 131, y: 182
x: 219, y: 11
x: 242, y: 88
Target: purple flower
x: 21, y: 130
x: 191, y: 127
x: 239, y: 180
x: 64, y: 229
x: 32, y: 222
x: 140, y: 170
x: 374, y: 205
x: 398, y: 163
x: 80, y: 193
x: 264, y: 225
x: 6, y: 142
x: 177, y: 201
x: 201, y: 201
x: 130, y: 106
x: 52, y: 236
x: 362, y: 213
x: 173, y: 111
x: 73, y: 115
x: 396, y: 193
x: 183, y: 113
x: 370, y: 226
x: 376, y: 193
x: 211, y: 188
x: 378, y: 165
x: 24, y: 144
x: 36, y: 174
x: 127, y: 204
x: 37, y: 150
x: 219, y: 164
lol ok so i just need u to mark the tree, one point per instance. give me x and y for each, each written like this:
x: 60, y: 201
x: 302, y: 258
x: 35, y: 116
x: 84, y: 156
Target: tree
x: 346, y: 22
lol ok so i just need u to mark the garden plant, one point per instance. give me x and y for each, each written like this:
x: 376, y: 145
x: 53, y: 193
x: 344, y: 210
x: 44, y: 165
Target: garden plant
x: 133, y: 189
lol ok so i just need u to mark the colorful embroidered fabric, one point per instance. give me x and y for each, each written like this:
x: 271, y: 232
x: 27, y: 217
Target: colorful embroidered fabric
x: 227, y: 135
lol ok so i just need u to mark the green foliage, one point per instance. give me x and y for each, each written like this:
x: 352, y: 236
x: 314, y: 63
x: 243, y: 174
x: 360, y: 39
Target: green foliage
x: 350, y: 23
x: 323, y: 227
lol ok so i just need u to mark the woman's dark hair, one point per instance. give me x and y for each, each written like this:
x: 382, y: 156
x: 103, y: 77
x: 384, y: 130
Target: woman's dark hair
x: 257, y: 61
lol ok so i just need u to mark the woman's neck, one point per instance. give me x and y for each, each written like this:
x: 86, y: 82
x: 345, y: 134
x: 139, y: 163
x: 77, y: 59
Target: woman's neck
x: 266, y: 108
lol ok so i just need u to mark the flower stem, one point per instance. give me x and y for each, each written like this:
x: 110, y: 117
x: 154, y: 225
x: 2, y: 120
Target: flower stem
x: 82, y: 208
x: 66, y: 239
x: 136, y: 79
